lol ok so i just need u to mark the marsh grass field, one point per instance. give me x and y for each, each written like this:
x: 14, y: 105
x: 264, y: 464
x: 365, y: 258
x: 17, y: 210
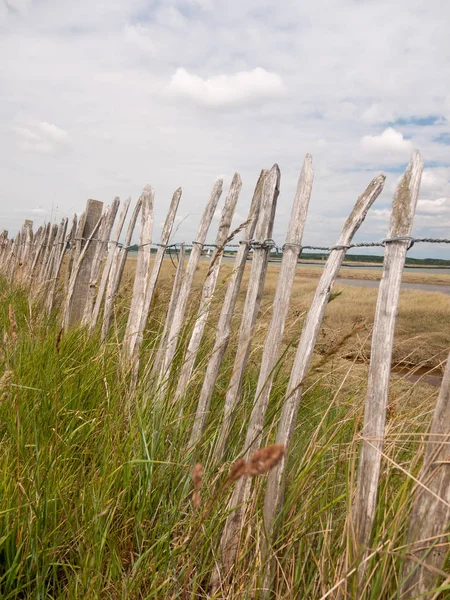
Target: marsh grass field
x: 96, y: 478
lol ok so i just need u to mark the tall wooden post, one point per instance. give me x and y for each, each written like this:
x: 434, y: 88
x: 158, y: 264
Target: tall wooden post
x: 80, y: 294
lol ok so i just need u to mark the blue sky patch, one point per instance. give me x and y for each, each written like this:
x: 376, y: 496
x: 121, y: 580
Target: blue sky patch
x: 443, y: 138
x: 419, y: 121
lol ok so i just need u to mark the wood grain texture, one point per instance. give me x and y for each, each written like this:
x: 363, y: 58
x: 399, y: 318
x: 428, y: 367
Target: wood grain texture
x: 64, y: 239
x: 116, y: 272
x: 156, y: 360
x: 80, y: 291
x: 403, y: 210
x: 109, y: 216
x: 109, y: 261
x: 136, y: 337
x: 430, y: 515
x: 209, y: 286
x: 226, y: 314
x: 275, y: 486
x: 188, y: 279
x: 142, y: 274
x: 263, y: 231
x: 234, y: 525
x: 67, y: 309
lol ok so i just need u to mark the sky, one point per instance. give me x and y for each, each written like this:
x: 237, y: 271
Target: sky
x: 99, y: 98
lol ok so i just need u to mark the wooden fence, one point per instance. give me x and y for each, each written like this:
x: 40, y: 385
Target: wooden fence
x: 94, y: 262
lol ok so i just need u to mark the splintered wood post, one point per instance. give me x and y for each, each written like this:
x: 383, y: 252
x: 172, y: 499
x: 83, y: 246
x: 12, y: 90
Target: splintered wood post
x: 80, y: 291
x: 116, y: 272
x: 74, y: 278
x: 52, y: 257
x: 188, y: 279
x: 10, y: 259
x: 261, y: 248
x: 136, y: 338
x: 27, y: 240
x: 109, y: 216
x: 35, y: 268
x: 403, y: 210
x: 226, y: 314
x: 109, y: 261
x: 79, y: 236
x: 45, y: 252
x: 75, y: 244
x: 15, y: 256
x: 430, y: 516
x: 9, y: 256
x: 156, y: 362
x: 275, y: 485
x: 3, y: 247
x: 64, y: 239
x: 48, y: 259
x: 37, y: 240
x: 241, y: 493
x: 142, y: 270
x: 209, y: 286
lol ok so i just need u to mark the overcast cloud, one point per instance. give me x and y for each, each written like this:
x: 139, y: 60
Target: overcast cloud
x: 99, y: 98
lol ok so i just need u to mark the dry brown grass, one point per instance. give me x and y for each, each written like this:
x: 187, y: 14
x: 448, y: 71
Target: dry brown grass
x: 409, y: 276
x: 422, y: 334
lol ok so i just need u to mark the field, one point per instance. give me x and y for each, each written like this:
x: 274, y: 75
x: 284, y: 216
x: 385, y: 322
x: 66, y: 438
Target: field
x: 96, y: 486
x: 422, y: 337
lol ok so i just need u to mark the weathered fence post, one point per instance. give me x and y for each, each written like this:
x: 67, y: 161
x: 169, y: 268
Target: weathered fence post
x: 63, y: 241
x: 226, y: 315
x: 261, y: 248
x: 40, y: 248
x: 188, y: 279
x: 275, y: 486
x: 27, y: 241
x: 9, y: 258
x: 209, y: 287
x: 49, y: 256
x: 80, y: 289
x: 76, y: 289
x: 142, y: 270
x: 430, y: 516
x: 230, y: 538
x: 3, y: 247
x: 403, y: 210
x: 136, y: 337
x: 116, y: 271
x: 109, y: 216
x: 156, y: 360
x: 107, y: 268
x: 75, y: 245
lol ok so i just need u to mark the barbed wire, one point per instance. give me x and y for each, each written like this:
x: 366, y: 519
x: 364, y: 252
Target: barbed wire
x: 270, y: 244
x: 267, y: 244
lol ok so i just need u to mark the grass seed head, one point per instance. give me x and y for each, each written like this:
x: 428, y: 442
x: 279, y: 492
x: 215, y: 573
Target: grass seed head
x: 197, y: 480
x: 5, y: 382
x: 237, y: 470
x: 265, y: 459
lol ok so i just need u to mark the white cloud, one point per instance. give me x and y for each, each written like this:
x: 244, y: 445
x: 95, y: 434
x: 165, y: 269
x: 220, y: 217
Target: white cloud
x: 381, y: 213
x: 101, y: 70
x: 39, y: 138
x: 18, y: 6
x: 242, y: 88
x: 435, y: 181
x: 438, y: 207
x: 377, y: 113
x: 389, y: 144
x: 52, y: 132
x: 26, y: 134
x: 140, y: 36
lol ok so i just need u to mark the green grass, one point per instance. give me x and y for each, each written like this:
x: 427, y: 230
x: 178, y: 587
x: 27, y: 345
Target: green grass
x: 95, y: 485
